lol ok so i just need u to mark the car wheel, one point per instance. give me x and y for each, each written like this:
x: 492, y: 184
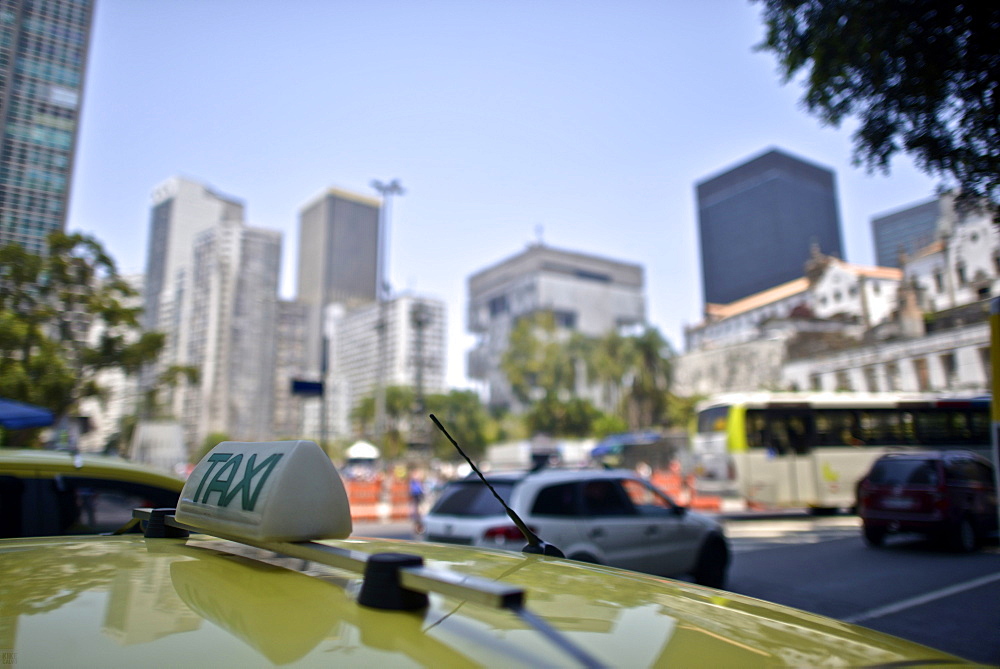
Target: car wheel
x: 962, y: 536
x: 713, y: 560
x: 874, y: 536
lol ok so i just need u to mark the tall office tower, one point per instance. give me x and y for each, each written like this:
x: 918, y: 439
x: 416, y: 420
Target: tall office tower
x: 758, y: 221
x: 588, y: 294
x: 232, y: 333
x: 338, y: 257
x: 414, y: 353
x: 181, y: 209
x: 43, y: 59
x: 906, y: 231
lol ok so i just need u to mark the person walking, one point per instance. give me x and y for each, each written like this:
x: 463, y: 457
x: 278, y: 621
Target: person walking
x: 416, y: 501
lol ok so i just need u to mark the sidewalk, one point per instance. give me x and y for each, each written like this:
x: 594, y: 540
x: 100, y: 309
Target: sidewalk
x: 378, y: 528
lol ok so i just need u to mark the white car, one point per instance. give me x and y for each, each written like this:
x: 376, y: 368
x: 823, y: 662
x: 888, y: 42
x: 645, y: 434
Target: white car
x: 609, y: 517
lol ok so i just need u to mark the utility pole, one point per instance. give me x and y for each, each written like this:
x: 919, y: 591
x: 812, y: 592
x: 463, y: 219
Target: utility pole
x: 382, y: 294
x: 420, y: 318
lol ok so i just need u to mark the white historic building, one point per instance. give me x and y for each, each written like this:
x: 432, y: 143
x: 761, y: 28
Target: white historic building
x: 843, y: 327
x: 962, y: 265
x: 743, y: 346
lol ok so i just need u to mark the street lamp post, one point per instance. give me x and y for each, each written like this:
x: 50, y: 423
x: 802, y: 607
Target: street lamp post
x: 386, y: 190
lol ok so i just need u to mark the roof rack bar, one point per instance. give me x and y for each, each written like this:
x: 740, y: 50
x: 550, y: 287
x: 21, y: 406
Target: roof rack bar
x: 471, y: 588
x: 420, y: 579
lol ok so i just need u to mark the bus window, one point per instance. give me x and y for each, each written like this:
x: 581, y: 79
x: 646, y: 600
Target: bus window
x: 713, y: 420
x: 756, y: 429
x: 838, y: 427
x: 933, y: 428
x: 789, y: 433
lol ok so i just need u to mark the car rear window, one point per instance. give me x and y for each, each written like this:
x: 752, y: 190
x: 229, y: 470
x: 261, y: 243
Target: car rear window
x: 897, y: 472
x: 472, y: 498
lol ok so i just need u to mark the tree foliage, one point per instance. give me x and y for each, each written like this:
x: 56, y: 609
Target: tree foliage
x: 64, y: 317
x: 549, y: 369
x: 460, y: 411
x: 920, y: 76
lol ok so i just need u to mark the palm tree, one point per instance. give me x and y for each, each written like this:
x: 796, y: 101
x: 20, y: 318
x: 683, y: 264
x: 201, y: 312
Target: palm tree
x: 650, y: 368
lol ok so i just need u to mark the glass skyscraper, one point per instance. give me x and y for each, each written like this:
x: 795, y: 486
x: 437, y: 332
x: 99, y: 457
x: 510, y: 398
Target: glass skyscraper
x: 43, y: 57
x: 758, y: 222
x: 905, y: 231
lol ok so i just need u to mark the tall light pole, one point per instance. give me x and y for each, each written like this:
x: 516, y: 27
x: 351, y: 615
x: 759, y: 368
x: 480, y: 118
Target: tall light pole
x: 386, y: 190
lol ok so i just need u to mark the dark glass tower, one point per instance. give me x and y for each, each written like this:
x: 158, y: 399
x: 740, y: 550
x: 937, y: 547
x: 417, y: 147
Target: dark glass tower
x: 758, y: 221
x: 43, y: 58
x: 905, y: 231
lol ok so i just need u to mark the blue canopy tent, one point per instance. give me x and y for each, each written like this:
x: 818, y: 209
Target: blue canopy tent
x: 18, y: 415
x: 613, y: 444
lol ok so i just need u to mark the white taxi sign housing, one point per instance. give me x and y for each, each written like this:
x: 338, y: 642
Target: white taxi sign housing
x: 267, y: 491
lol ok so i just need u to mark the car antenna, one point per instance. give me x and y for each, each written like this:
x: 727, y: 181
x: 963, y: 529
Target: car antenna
x: 535, y: 545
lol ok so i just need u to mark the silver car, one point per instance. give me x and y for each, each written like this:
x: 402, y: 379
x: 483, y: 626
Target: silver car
x: 609, y: 517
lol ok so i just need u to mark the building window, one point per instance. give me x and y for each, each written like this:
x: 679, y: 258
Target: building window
x: 565, y: 319
x: 960, y: 274
x: 939, y: 282
x: 987, y: 364
x: 892, y: 375
x: 950, y: 369
x: 871, y: 380
x: 843, y: 381
x: 498, y: 305
x: 815, y: 382
x: 923, y: 374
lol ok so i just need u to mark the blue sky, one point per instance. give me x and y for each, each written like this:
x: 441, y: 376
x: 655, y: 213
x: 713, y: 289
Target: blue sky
x: 590, y: 122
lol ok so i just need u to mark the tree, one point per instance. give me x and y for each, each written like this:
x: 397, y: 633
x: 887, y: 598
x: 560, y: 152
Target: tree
x: 462, y: 413
x: 398, y: 412
x: 920, y: 75
x: 64, y: 318
x: 537, y: 363
x: 650, y: 370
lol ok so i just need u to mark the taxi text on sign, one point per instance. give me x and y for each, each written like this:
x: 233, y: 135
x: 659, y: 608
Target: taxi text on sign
x: 267, y: 491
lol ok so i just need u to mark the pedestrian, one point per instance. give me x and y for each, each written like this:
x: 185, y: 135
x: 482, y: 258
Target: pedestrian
x: 416, y: 501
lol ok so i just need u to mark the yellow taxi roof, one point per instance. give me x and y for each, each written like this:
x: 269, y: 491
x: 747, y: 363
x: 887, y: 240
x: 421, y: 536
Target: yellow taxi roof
x: 273, y: 576
x: 130, y: 601
x: 49, y: 463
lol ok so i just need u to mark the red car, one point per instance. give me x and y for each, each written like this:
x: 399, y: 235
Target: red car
x: 948, y: 495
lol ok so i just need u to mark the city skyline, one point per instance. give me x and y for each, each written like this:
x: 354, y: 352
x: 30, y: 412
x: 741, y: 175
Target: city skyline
x: 587, y: 127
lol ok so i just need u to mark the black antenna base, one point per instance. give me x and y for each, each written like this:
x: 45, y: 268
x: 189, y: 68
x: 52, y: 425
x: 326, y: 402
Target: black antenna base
x: 543, y: 549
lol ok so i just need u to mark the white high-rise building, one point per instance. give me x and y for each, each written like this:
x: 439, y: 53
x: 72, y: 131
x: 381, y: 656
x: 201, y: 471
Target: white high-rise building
x: 181, y: 210
x: 231, y: 336
x: 414, y: 353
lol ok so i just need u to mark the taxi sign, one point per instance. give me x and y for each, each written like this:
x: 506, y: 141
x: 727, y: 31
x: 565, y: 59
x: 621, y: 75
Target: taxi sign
x: 267, y: 491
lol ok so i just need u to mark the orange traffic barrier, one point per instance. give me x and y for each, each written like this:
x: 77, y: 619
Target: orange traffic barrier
x: 399, y: 500
x: 364, y: 498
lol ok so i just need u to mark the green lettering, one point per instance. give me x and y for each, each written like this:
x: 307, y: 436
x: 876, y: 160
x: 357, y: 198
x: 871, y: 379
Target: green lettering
x: 215, y: 459
x: 221, y: 485
x: 249, y: 500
